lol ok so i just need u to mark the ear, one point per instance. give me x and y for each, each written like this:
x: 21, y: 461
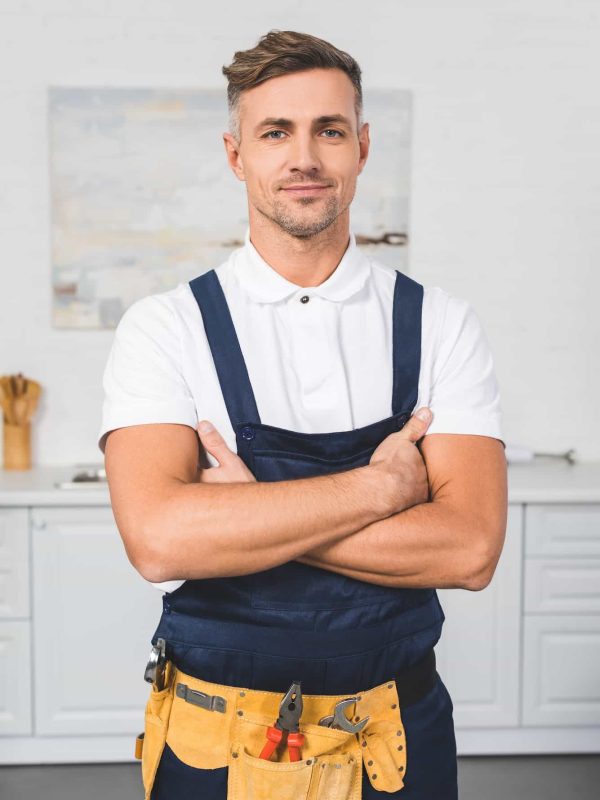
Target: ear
x: 364, y: 144
x: 234, y: 158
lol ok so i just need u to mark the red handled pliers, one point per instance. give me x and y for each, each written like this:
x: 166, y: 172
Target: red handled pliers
x: 290, y: 711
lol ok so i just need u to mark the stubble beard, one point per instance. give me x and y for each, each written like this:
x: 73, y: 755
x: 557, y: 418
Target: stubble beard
x: 301, y: 226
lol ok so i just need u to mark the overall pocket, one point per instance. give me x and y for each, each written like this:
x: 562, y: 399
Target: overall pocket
x: 156, y: 717
x: 330, y: 769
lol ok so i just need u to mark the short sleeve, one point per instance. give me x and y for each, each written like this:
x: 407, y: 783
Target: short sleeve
x: 143, y: 381
x: 464, y: 395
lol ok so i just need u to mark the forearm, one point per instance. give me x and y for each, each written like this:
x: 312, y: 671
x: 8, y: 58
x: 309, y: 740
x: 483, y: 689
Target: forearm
x: 210, y: 530
x: 427, y: 545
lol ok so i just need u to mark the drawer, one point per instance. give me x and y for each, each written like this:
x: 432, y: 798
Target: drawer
x: 569, y: 529
x: 569, y: 585
x: 14, y: 563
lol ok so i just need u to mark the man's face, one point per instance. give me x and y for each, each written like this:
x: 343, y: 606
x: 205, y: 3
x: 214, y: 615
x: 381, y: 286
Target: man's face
x: 300, y: 153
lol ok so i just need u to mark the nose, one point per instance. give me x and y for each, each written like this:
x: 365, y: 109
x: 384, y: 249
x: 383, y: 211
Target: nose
x: 303, y: 154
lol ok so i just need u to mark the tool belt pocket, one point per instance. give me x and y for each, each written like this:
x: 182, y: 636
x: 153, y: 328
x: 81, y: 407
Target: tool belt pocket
x: 383, y: 739
x: 156, y: 723
x: 384, y: 754
x: 198, y: 736
x: 330, y: 768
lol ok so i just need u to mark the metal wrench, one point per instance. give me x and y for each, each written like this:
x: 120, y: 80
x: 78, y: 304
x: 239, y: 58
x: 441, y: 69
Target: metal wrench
x: 339, y: 719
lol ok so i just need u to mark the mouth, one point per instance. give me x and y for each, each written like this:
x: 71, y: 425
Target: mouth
x: 308, y: 190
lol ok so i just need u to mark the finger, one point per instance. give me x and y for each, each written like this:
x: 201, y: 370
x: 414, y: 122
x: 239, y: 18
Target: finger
x: 417, y: 425
x: 213, y: 442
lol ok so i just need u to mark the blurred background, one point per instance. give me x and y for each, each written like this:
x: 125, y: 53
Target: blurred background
x: 504, y: 176
x: 499, y: 199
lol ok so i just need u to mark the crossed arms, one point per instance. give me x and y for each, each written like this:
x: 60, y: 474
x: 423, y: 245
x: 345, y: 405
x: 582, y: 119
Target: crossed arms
x: 427, y: 516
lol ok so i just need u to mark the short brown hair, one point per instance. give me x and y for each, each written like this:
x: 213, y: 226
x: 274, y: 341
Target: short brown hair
x: 281, y: 53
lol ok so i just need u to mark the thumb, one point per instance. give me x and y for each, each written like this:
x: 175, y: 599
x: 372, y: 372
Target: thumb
x: 212, y: 441
x: 417, y: 425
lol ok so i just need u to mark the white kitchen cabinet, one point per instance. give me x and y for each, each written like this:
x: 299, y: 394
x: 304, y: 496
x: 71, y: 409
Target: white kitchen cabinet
x: 94, y: 617
x: 561, y: 666
x: 487, y: 625
x: 15, y: 678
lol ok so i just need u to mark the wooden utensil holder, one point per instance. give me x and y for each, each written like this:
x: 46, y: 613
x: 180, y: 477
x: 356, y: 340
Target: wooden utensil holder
x: 17, y: 446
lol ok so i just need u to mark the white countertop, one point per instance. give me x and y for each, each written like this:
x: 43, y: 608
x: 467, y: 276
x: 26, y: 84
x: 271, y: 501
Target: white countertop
x: 551, y: 481
x: 543, y: 481
x: 36, y: 487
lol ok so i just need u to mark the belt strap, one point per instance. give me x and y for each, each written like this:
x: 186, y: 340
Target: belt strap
x: 414, y: 682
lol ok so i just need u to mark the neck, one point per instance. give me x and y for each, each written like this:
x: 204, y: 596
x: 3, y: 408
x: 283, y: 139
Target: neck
x: 305, y: 262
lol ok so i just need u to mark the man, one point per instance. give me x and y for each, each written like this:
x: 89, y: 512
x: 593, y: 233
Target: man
x: 298, y: 532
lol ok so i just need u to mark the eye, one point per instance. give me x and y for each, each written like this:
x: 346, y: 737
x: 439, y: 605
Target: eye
x: 332, y: 130
x: 268, y: 134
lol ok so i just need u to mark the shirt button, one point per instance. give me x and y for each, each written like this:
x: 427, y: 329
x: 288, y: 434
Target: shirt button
x: 304, y: 299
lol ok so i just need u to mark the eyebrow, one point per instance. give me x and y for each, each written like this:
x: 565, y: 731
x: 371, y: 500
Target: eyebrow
x: 326, y: 119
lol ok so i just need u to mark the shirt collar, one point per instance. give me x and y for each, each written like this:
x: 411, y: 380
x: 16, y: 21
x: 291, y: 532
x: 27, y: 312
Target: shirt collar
x: 265, y: 284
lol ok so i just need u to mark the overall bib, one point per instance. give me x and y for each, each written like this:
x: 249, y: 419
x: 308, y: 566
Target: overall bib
x: 293, y: 622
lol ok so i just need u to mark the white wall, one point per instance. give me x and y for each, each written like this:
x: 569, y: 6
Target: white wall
x: 505, y: 177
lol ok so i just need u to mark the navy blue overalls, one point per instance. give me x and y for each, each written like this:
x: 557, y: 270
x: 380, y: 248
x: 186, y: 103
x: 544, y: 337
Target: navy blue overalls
x: 336, y: 634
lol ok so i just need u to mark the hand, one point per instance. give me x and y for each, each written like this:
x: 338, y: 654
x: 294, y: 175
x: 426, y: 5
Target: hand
x: 401, y: 463
x: 231, y: 468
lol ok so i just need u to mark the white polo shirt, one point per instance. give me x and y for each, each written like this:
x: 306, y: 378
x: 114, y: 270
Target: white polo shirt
x: 316, y: 366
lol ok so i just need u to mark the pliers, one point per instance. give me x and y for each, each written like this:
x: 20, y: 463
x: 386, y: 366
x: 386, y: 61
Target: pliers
x: 290, y: 711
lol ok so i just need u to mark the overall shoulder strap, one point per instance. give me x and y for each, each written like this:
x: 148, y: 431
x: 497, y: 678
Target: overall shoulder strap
x: 225, y: 348
x: 407, y: 313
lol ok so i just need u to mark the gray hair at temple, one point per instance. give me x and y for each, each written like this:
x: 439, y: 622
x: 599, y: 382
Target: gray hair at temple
x: 281, y: 53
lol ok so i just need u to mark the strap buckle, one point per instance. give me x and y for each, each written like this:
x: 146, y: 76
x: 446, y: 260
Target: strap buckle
x: 211, y: 702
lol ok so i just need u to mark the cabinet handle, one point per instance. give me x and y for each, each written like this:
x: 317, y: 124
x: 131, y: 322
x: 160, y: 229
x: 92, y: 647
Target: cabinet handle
x: 39, y: 525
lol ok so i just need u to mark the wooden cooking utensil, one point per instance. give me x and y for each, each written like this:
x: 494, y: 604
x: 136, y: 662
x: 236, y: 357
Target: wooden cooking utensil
x: 19, y: 398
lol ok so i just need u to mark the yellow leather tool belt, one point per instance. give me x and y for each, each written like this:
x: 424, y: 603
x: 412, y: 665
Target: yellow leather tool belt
x: 209, y: 725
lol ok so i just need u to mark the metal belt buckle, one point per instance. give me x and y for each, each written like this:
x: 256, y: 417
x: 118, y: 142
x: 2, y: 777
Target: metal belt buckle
x: 155, y: 668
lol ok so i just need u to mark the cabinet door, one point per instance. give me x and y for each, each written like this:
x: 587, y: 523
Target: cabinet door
x: 93, y: 619
x: 15, y: 683
x: 478, y: 653
x: 561, y: 670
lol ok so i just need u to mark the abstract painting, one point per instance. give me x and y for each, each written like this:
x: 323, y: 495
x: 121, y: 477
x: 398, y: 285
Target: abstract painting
x: 142, y: 197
